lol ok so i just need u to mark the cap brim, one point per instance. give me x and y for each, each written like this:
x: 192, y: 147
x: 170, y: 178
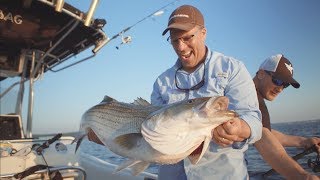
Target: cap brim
x: 289, y: 80
x: 184, y: 27
x: 294, y: 83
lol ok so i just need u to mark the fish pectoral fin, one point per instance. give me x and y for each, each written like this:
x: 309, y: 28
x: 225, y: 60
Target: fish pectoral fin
x: 219, y: 103
x: 136, y: 166
x: 128, y: 141
x: 216, y: 107
x: 139, y: 167
x: 127, y: 164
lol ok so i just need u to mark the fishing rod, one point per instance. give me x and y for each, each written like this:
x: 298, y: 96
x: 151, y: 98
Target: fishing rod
x: 315, y: 165
x: 155, y: 13
x: 125, y: 40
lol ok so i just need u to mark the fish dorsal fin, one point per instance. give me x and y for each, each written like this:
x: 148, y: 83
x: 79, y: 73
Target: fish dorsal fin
x: 108, y: 99
x: 140, y: 101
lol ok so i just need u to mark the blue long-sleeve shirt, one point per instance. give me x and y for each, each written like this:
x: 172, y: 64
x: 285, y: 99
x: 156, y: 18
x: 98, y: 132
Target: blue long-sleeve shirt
x: 223, y: 76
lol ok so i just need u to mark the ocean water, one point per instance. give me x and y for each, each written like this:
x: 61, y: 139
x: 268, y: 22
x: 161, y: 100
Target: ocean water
x: 256, y: 166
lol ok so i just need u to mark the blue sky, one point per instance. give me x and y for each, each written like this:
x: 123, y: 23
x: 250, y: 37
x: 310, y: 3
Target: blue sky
x: 248, y: 30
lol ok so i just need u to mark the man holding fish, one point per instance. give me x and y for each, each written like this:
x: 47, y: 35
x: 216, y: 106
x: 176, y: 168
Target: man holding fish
x: 190, y: 113
x: 182, y: 122
x: 200, y: 72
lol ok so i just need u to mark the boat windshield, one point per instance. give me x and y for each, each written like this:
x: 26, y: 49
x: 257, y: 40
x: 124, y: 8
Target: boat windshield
x: 8, y: 102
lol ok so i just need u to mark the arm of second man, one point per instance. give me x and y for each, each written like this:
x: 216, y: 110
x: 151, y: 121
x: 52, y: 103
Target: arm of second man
x: 296, y: 141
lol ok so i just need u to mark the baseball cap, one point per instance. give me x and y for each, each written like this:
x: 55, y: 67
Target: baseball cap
x: 184, y: 18
x: 281, y: 67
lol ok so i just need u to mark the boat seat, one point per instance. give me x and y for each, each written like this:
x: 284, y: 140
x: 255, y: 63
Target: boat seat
x: 10, y: 127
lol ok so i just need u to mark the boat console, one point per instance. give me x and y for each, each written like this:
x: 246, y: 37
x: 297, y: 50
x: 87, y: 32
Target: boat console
x: 10, y: 127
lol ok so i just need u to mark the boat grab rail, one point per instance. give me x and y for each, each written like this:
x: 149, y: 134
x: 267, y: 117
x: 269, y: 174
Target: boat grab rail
x: 59, y: 8
x: 51, y: 169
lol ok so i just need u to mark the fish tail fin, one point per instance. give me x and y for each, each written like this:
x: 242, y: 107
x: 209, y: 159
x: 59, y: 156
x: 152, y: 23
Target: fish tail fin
x: 137, y: 166
x: 78, y: 140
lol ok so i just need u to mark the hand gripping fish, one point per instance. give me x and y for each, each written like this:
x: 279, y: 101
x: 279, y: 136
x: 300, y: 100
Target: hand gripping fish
x: 156, y: 134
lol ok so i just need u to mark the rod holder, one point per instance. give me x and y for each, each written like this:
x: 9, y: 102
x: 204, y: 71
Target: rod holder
x: 59, y: 5
x: 92, y: 8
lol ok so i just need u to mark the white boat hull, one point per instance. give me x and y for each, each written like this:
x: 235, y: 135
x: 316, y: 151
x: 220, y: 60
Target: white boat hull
x: 59, y: 156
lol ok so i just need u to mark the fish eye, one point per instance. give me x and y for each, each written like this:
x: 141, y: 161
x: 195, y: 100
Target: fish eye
x: 190, y: 101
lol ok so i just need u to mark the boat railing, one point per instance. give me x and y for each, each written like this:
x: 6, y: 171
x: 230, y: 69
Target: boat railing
x: 59, y: 4
x: 67, y: 172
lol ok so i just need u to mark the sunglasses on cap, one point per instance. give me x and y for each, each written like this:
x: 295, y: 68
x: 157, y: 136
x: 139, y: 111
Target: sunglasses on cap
x: 278, y: 82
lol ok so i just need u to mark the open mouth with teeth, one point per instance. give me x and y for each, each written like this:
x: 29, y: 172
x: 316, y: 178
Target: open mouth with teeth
x: 186, y: 55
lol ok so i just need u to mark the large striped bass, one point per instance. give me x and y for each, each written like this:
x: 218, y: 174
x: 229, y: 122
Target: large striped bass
x: 156, y: 134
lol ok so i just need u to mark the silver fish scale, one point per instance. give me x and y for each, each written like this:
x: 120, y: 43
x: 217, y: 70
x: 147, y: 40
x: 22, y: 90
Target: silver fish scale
x: 118, y: 118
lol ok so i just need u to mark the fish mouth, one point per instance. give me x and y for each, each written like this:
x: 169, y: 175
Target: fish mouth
x: 197, y: 154
x: 197, y: 151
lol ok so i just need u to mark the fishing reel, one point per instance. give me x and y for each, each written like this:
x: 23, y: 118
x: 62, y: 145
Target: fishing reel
x: 315, y: 165
x: 124, y: 40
